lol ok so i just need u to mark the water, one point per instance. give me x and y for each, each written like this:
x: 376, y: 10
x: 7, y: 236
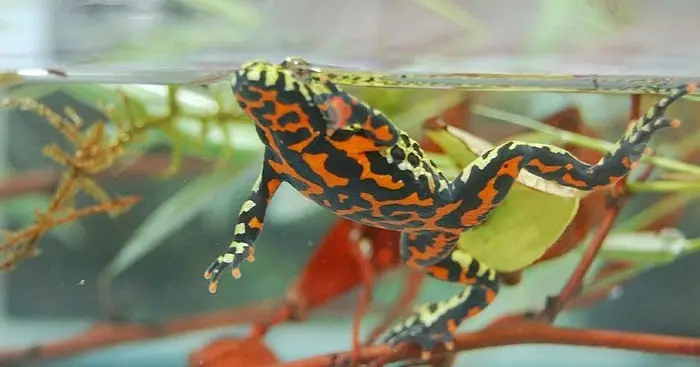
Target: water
x: 523, y: 45
x: 585, y: 53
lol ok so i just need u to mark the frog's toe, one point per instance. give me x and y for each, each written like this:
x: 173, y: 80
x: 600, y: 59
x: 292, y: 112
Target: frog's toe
x: 233, y: 257
x: 427, y: 336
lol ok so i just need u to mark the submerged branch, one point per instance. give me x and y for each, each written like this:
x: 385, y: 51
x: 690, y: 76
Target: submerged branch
x: 105, y: 334
x: 525, y: 333
x: 145, y: 166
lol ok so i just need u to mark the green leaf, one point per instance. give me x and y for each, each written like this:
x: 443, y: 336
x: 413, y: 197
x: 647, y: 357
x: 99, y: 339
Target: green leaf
x: 221, y: 93
x: 446, y: 164
x: 167, y: 219
x: 529, y: 220
x: 93, y: 94
x: 32, y: 90
x: 661, y: 208
x: 409, y: 108
x: 240, y: 13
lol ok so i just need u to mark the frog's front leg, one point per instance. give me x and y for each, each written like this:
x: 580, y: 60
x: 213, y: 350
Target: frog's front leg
x: 248, y: 227
x: 342, y: 110
x: 437, y: 322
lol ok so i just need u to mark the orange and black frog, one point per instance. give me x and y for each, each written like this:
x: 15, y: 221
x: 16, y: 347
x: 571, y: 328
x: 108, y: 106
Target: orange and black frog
x: 350, y: 158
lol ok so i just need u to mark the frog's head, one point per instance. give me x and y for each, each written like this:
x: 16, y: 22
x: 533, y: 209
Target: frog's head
x: 292, y: 81
x: 280, y: 97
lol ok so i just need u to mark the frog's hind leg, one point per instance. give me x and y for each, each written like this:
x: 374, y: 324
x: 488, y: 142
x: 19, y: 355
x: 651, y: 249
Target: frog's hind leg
x: 438, y: 321
x: 485, y: 182
x: 476, y: 192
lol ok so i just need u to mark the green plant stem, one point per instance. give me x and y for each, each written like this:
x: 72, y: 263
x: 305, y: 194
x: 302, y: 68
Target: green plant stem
x: 634, y: 271
x: 615, y: 279
x: 664, y: 186
x: 655, y: 211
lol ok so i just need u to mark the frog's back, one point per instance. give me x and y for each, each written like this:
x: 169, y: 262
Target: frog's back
x: 373, y: 186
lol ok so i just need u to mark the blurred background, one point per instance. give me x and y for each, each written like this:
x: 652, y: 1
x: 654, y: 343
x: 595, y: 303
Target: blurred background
x: 194, y: 168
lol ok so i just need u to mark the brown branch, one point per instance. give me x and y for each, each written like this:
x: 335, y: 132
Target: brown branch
x: 526, y: 333
x: 143, y: 167
x: 37, y: 229
x: 19, y: 245
x: 110, y: 333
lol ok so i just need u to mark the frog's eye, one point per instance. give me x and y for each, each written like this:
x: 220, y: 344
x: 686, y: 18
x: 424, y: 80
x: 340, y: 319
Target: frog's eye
x: 299, y: 68
x: 301, y: 74
x: 295, y: 62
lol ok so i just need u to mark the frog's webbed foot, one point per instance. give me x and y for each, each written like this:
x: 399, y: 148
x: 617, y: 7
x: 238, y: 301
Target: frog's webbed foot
x: 233, y: 257
x: 415, y: 330
x: 437, y: 322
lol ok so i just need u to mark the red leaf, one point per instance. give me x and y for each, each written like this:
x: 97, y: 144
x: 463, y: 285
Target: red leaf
x: 335, y: 264
x: 457, y: 116
x: 233, y: 352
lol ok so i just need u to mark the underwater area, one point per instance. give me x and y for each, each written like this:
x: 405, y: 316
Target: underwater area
x: 132, y: 195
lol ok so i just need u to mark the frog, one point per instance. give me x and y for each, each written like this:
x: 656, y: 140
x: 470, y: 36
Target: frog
x: 351, y: 159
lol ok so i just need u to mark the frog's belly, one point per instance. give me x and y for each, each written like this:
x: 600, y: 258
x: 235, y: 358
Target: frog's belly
x: 387, y: 216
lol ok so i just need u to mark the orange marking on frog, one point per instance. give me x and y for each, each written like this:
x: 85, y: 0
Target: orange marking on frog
x: 543, y: 167
x: 317, y: 162
x: 430, y: 252
x: 255, y: 223
x: 510, y: 168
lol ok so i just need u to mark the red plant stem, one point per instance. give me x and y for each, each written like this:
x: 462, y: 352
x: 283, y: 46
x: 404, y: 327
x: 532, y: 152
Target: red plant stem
x: 573, y: 285
x: 106, y: 334
x: 364, y: 297
x: 526, y: 333
x: 635, y: 105
x: 412, y: 286
x: 285, y: 313
x: 609, y: 270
